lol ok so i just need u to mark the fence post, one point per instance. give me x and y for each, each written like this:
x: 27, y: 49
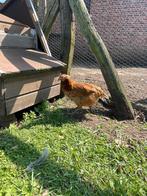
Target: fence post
x: 52, y: 12
x: 122, y: 104
x: 67, y: 34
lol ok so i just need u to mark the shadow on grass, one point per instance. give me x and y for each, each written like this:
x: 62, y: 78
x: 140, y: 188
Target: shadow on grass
x: 61, y: 116
x: 52, y: 175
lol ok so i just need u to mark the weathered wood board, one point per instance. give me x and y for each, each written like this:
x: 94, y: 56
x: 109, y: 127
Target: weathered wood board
x: 29, y: 83
x: 21, y: 60
x: 16, y: 104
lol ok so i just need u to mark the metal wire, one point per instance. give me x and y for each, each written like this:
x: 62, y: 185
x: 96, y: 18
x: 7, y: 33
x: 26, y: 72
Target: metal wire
x: 122, y: 26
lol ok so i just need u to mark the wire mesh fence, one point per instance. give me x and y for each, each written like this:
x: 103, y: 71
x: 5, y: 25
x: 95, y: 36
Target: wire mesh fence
x: 122, y: 26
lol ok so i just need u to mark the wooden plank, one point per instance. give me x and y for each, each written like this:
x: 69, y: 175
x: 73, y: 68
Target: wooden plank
x: 24, y: 101
x: 16, y: 41
x: 21, y: 85
x: 52, y: 12
x: 14, y: 61
x: 9, y: 25
x: 122, y: 104
x: 67, y: 35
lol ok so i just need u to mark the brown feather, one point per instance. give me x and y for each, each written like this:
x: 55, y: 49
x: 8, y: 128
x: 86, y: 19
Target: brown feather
x: 83, y: 94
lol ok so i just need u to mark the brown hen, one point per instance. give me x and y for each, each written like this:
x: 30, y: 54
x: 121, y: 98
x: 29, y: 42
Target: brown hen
x: 83, y: 94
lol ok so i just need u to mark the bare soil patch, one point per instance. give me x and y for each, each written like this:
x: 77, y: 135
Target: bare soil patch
x: 135, y: 83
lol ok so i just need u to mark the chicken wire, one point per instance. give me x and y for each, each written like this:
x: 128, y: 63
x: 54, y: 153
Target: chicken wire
x: 122, y: 26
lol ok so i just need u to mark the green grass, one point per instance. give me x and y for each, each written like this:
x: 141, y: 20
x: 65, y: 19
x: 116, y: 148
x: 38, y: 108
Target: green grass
x: 80, y: 162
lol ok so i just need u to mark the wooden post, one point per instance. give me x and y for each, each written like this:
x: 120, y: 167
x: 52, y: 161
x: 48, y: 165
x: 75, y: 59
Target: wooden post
x: 122, y: 104
x: 36, y: 4
x: 45, y: 8
x: 5, y: 121
x: 67, y: 34
x: 42, y: 11
x: 37, y: 26
x: 52, y: 12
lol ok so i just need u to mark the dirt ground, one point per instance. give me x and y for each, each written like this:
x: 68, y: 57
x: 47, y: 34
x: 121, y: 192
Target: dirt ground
x: 134, y: 80
x: 135, y: 83
x: 101, y: 119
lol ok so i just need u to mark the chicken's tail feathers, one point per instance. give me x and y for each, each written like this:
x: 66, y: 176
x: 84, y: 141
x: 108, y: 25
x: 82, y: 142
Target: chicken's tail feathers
x: 106, y: 102
x: 103, y: 98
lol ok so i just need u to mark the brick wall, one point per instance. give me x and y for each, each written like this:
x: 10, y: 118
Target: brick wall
x: 123, y: 27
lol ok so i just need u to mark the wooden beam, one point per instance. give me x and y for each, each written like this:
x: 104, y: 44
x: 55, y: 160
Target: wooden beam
x: 52, y: 12
x: 67, y: 34
x: 122, y: 104
x: 38, y: 27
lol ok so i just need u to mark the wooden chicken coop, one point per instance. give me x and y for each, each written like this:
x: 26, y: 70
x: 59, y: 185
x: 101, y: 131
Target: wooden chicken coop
x: 28, y: 72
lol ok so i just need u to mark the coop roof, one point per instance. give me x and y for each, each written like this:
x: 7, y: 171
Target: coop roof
x: 17, y: 10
